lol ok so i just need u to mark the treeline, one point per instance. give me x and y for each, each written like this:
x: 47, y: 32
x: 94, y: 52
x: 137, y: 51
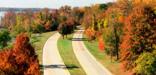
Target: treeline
x: 41, y: 21
x: 126, y: 30
x: 64, y: 20
x: 28, y: 21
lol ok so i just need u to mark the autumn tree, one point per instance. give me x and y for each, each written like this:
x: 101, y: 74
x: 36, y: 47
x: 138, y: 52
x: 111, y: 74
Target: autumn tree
x: 18, y: 27
x: 25, y: 55
x: 8, y: 21
x: 126, y: 55
x: 139, y: 36
x: 78, y: 14
x: 45, y: 20
x: 21, y: 59
x: 112, y: 30
x: 55, y: 20
x: 7, y: 65
x: 65, y: 11
x: 66, y: 27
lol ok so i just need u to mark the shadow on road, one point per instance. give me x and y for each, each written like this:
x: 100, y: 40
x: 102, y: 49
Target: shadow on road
x: 78, y: 39
x: 70, y: 66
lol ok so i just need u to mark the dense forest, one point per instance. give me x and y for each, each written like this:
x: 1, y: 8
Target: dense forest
x: 125, y: 29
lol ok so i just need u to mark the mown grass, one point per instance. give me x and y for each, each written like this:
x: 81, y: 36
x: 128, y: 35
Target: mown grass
x: 67, y: 54
x: 38, y: 41
x: 103, y: 58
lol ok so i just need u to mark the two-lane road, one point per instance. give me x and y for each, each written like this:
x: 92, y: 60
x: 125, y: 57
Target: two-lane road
x: 53, y: 64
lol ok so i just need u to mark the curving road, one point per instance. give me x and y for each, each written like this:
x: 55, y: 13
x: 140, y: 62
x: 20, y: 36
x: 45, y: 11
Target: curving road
x: 52, y: 62
x: 87, y: 61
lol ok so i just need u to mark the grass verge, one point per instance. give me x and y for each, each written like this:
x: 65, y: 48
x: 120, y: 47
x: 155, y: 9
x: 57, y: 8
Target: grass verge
x: 67, y: 54
x: 103, y: 58
x: 38, y: 41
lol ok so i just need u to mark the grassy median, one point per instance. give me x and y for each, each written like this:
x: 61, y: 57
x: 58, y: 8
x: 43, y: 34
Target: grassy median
x: 67, y: 54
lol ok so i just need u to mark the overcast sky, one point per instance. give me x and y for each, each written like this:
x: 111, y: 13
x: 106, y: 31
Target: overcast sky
x: 49, y: 3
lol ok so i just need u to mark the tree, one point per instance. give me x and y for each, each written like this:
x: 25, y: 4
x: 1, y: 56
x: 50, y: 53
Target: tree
x: 65, y: 11
x: 139, y: 35
x: 8, y: 20
x: 90, y: 33
x: 4, y: 37
x: 112, y: 30
x: 19, y: 26
x: 103, y: 6
x: 66, y: 27
x: 48, y: 25
x: 101, y: 43
x: 21, y: 59
x: 77, y: 14
x: 7, y: 66
x: 146, y: 64
x: 25, y: 55
x: 126, y: 55
x: 63, y: 29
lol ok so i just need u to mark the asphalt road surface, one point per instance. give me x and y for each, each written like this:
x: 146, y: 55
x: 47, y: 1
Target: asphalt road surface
x: 86, y: 59
x: 52, y: 62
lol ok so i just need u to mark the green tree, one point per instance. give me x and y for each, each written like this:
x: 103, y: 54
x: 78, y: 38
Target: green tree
x: 63, y: 29
x: 4, y: 37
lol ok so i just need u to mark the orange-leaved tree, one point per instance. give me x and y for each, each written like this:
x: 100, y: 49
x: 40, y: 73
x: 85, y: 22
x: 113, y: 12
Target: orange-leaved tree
x: 21, y: 60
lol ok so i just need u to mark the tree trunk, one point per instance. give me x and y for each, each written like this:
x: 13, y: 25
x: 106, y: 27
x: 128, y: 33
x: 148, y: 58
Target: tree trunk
x: 63, y: 36
x: 116, y: 43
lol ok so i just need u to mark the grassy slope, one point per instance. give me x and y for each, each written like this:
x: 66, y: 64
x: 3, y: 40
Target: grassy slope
x: 103, y: 58
x: 67, y: 54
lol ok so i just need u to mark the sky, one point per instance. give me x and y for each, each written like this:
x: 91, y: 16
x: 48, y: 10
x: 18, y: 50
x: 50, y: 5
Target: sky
x: 49, y: 3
